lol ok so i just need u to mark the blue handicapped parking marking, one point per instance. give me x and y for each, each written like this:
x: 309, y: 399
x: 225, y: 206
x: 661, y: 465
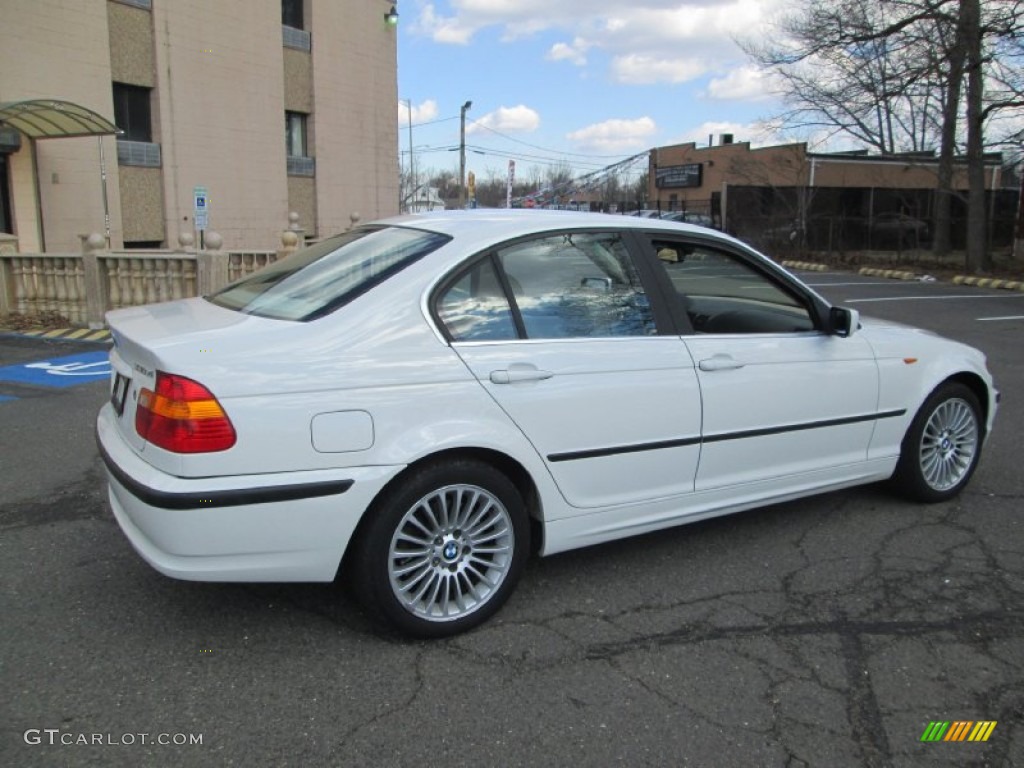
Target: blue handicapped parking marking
x: 60, y: 372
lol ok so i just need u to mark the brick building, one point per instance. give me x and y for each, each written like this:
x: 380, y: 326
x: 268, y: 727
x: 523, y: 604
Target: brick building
x: 835, y: 199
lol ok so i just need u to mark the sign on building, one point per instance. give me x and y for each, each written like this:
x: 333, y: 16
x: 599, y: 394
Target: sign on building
x: 674, y: 176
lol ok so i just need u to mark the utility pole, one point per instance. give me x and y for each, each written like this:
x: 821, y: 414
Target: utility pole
x: 412, y: 163
x: 462, y: 154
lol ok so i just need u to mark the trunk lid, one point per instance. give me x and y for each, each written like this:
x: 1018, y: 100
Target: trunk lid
x: 177, y: 337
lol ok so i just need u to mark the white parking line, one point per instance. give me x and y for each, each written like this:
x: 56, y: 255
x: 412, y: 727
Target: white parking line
x: 959, y: 296
x: 893, y: 283
x: 1006, y: 317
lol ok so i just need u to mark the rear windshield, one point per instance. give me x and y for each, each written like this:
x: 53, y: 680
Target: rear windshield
x: 317, y: 280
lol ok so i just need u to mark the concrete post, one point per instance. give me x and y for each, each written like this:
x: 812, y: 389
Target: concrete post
x: 211, y: 266
x: 294, y: 226
x: 96, y: 298
x: 289, y: 244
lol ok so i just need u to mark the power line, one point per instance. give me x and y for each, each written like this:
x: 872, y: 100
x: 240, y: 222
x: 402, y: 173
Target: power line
x: 542, y: 149
x: 532, y: 158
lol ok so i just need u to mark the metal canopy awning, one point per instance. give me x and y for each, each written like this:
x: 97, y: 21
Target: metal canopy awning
x: 51, y: 119
x: 56, y: 119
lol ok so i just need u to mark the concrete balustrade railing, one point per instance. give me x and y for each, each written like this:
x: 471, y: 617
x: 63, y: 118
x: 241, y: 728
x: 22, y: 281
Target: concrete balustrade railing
x: 83, y: 286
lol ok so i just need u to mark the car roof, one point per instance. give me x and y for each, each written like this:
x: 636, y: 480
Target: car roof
x: 503, y: 223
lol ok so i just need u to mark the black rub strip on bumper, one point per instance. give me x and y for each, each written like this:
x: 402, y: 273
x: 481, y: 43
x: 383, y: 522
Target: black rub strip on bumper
x: 222, y: 498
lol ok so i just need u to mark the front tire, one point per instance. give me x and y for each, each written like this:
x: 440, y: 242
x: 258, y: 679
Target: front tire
x: 941, y: 449
x: 442, y: 548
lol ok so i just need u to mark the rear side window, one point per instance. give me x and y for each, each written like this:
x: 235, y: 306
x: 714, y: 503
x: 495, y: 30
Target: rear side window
x: 577, y: 285
x: 475, y: 308
x: 320, y: 279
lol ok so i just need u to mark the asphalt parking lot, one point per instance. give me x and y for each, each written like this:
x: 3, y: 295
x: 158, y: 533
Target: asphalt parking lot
x: 826, y: 632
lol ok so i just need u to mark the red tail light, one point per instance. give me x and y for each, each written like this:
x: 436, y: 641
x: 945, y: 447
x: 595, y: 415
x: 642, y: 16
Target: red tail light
x: 183, y: 416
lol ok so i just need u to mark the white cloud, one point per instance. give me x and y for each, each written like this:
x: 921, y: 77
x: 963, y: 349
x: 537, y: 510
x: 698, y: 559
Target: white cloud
x: 645, y: 37
x: 759, y: 133
x: 451, y: 30
x: 745, y: 83
x: 615, y: 136
x: 642, y: 69
x: 574, y: 52
x: 422, y: 113
x: 519, y: 119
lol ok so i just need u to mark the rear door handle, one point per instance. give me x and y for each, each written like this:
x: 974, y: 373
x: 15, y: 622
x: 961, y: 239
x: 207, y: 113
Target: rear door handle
x: 720, y: 363
x: 519, y: 372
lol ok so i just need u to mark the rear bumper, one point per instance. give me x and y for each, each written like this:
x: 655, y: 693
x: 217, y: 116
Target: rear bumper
x: 291, y: 526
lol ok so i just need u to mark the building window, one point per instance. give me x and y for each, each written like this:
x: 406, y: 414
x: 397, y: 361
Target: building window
x: 291, y: 14
x: 132, y: 112
x: 296, y: 148
x: 6, y: 222
x: 295, y: 134
x: 293, y: 26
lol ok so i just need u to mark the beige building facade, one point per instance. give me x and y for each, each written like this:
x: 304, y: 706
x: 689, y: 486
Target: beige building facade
x: 270, y: 106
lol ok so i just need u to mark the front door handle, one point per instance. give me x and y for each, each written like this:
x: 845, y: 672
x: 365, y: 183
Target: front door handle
x: 519, y: 372
x: 720, y: 363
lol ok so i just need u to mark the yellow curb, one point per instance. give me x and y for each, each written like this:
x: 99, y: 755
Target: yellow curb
x: 70, y: 334
x: 989, y: 282
x: 809, y: 266
x: 895, y: 274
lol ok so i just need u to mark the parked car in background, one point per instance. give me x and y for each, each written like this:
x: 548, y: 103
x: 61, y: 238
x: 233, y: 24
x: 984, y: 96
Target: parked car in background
x: 690, y: 217
x: 898, y: 230
x: 417, y: 405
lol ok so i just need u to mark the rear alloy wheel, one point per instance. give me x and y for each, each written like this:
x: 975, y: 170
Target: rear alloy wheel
x: 444, y: 548
x: 941, y: 450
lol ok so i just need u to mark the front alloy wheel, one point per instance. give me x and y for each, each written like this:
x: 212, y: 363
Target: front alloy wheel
x: 948, y: 444
x: 941, y: 449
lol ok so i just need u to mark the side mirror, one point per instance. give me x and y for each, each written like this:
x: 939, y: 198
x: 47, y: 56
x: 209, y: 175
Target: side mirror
x: 843, y: 322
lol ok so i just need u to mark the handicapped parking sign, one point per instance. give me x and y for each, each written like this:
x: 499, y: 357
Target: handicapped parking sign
x: 60, y: 372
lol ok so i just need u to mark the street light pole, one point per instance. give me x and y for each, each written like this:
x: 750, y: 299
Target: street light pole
x: 462, y: 154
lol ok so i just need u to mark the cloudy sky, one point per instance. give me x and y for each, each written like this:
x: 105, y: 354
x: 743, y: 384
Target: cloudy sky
x: 584, y: 82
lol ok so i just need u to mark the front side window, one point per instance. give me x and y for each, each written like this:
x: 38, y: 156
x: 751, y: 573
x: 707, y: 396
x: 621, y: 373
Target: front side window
x: 722, y: 294
x: 320, y: 279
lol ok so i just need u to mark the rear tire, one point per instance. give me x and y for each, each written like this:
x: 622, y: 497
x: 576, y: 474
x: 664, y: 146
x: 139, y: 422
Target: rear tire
x: 941, y: 449
x: 442, y: 548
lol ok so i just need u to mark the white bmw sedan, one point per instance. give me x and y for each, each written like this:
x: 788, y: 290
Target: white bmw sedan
x: 417, y: 405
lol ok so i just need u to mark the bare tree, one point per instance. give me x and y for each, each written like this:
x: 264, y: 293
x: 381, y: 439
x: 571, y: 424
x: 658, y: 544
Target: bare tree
x: 905, y: 75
